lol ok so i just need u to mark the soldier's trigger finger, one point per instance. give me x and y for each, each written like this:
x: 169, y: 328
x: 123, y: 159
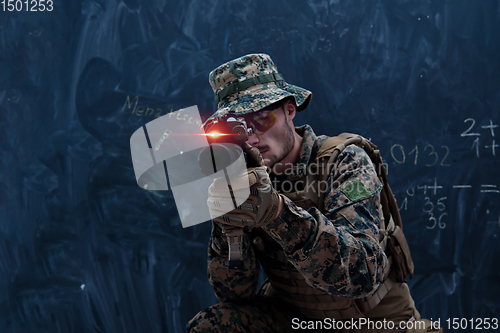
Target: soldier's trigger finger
x: 253, y: 176
x: 254, y: 158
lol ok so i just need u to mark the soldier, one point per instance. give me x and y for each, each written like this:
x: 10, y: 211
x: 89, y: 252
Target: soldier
x: 325, y: 264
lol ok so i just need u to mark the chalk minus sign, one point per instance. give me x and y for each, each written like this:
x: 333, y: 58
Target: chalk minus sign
x: 462, y: 186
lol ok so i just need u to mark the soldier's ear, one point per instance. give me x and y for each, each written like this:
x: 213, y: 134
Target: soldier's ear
x: 289, y: 109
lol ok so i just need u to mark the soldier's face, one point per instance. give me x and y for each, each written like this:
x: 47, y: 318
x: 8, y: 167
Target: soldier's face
x: 278, y: 141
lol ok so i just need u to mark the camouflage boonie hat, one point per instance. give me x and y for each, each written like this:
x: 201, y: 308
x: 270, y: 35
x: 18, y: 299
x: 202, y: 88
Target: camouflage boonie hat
x: 250, y: 83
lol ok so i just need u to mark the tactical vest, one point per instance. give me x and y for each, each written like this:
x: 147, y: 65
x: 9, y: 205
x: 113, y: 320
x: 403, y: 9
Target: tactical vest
x: 286, y: 283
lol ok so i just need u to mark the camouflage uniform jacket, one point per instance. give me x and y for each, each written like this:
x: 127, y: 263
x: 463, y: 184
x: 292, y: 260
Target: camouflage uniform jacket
x: 337, y: 252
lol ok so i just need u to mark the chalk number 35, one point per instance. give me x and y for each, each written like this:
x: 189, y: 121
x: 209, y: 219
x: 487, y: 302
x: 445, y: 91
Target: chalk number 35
x: 429, y: 209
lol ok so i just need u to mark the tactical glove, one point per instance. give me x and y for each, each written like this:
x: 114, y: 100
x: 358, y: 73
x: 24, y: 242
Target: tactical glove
x: 260, y: 207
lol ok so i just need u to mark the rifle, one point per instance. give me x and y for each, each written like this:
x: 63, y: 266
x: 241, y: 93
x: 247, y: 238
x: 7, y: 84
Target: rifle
x: 226, y: 135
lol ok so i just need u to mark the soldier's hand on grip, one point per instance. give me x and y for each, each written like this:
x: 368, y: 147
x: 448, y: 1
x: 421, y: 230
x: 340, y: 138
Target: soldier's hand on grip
x: 260, y: 207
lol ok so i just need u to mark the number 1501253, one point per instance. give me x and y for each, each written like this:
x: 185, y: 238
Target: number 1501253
x: 27, y: 5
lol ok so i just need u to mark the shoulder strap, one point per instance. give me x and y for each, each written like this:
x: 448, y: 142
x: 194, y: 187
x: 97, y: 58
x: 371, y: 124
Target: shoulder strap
x: 328, y: 153
x: 333, y: 146
x: 329, y: 145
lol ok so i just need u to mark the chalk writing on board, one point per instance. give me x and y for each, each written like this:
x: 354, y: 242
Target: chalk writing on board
x: 484, y: 188
x: 432, y: 155
x: 138, y: 110
x: 436, y: 212
x: 435, y: 202
x: 146, y: 111
x: 433, y: 188
x: 434, y: 208
x: 489, y: 189
x: 489, y: 138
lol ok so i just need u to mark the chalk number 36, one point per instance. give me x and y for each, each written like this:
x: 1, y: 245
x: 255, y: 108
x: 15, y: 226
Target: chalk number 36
x: 429, y: 209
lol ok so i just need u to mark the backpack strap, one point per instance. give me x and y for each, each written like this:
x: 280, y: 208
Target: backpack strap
x: 392, y: 239
x: 331, y: 149
x: 332, y: 143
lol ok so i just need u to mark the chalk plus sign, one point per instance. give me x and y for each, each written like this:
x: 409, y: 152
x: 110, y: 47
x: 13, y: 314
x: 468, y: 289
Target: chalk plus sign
x: 493, y: 146
x: 491, y: 127
x: 435, y: 187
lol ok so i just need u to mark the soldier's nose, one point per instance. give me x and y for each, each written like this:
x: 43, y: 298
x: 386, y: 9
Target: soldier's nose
x: 252, y: 139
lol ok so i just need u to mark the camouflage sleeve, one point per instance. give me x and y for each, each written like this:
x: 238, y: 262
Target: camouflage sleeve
x: 231, y: 284
x: 338, y: 252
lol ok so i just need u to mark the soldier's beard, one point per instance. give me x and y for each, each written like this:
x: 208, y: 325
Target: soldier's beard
x: 288, y: 136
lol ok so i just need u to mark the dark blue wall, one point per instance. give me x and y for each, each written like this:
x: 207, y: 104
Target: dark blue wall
x: 84, y: 249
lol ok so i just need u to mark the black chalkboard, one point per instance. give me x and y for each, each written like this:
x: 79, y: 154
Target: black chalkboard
x: 84, y: 249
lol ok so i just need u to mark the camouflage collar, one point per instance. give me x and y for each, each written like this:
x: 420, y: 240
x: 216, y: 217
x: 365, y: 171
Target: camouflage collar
x: 308, y: 149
